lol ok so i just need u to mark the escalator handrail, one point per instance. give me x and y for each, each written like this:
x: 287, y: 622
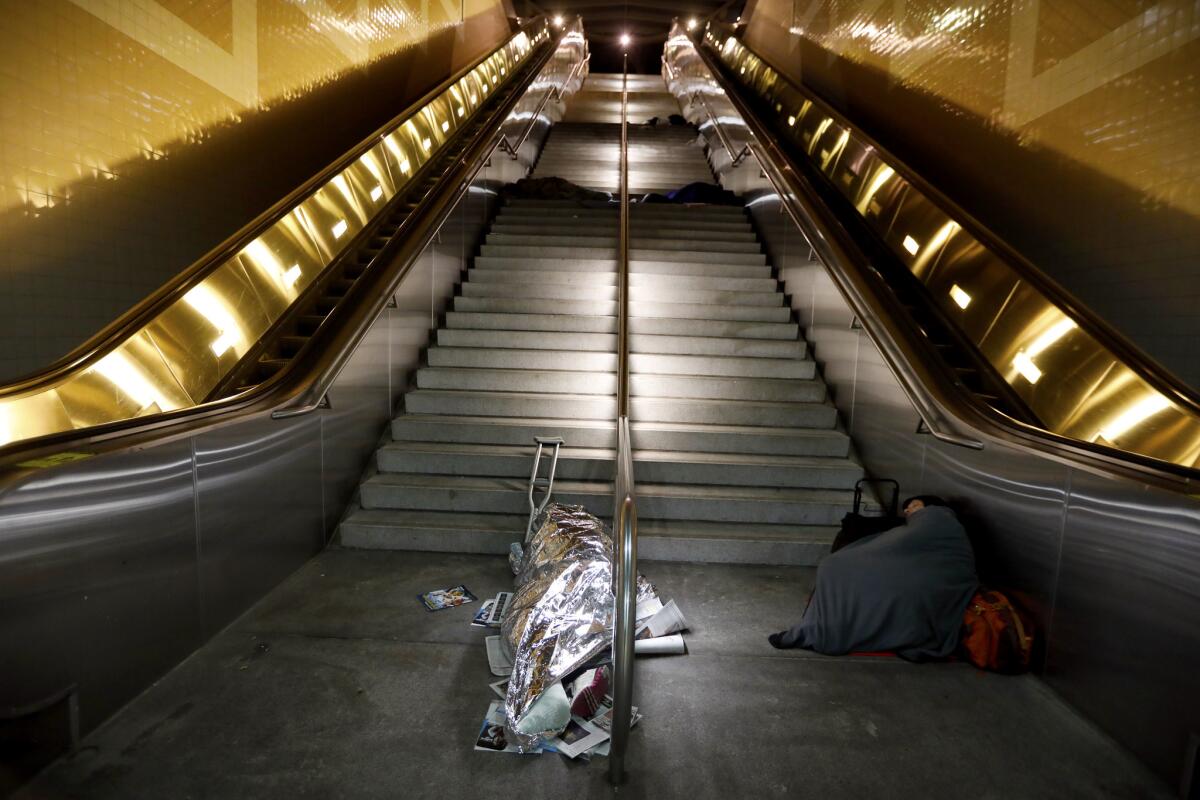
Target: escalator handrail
x: 148, y: 308
x: 939, y: 426
x: 955, y: 417
x: 1129, y: 353
x: 514, y: 149
x: 313, y: 396
x: 295, y: 388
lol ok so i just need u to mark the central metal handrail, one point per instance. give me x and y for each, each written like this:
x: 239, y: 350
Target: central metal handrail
x: 624, y: 504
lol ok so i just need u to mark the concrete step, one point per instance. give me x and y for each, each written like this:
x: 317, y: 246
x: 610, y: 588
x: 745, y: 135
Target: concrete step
x: 494, y: 403
x: 602, y: 434
x: 639, y: 253
x: 605, y: 266
x: 723, y: 412
x: 528, y: 340
x: 584, y: 280
x: 538, y: 291
x: 502, y: 430
x: 534, y: 359
x: 721, y: 231
x: 547, y: 209
x: 597, y: 309
x: 540, y: 381
x: 601, y: 265
x: 483, y: 301
x: 715, y: 388
x: 724, y: 367
x: 568, y: 321
x: 636, y: 279
x: 430, y: 531
x: 597, y: 464
x: 667, y: 540
x: 718, y: 346
x: 650, y: 254
x: 717, y: 542
x: 654, y: 295
x: 638, y: 241
x: 465, y: 316
x: 712, y: 328
x: 757, y: 505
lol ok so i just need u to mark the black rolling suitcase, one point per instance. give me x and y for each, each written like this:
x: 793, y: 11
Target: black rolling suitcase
x: 857, y: 525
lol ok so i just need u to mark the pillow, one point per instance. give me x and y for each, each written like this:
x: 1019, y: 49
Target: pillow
x: 549, y: 714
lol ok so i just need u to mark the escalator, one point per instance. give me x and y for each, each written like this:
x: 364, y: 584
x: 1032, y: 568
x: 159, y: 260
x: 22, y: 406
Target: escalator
x: 773, y: 349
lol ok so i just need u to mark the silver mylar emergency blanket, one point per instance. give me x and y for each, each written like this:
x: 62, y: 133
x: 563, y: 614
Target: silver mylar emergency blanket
x: 561, y: 613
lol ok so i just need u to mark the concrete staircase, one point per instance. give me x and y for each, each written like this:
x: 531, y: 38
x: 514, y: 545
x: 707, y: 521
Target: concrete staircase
x: 586, y: 147
x: 738, y: 457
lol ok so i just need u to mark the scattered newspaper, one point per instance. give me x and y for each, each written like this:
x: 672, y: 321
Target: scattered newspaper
x: 668, y: 619
x: 672, y: 645
x: 446, y: 598
x: 589, y: 736
x: 480, y: 618
x: 498, y: 660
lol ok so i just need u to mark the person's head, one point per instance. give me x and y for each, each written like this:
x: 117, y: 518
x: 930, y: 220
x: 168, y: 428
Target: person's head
x: 914, y: 504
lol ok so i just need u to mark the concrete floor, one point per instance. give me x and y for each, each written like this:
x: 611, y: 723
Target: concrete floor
x: 338, y: 684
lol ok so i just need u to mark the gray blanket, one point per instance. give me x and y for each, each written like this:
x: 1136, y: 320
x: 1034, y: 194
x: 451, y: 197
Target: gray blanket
x: 904, y: 590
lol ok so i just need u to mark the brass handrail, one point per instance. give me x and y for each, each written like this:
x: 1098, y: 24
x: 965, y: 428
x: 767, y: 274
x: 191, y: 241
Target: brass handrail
x: 625, y: 506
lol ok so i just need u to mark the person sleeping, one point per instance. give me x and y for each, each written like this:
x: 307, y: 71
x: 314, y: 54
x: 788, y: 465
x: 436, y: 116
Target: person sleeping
x: 903, y: 590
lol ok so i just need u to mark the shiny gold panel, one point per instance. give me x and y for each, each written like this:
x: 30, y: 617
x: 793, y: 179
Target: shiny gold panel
x: 1067, y: 126
x: 181, y: 356
x: 1073, y: 384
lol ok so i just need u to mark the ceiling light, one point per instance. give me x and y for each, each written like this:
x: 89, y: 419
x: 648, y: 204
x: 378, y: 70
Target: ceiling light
x: 626, y: 39
x: 691, y: 24
x: 558, y: 20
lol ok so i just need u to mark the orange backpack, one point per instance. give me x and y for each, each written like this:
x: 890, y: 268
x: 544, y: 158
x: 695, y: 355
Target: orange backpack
x: 995, y: 635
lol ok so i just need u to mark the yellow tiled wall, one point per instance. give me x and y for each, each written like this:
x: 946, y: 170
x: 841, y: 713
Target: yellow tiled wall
x: 106, y: 104
x: 1092, y: 104
x: 88, y: 84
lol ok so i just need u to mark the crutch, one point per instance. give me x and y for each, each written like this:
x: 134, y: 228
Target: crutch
x: 541, y: 483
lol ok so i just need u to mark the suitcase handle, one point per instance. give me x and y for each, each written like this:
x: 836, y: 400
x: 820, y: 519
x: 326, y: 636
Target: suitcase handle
x: 894, y: 506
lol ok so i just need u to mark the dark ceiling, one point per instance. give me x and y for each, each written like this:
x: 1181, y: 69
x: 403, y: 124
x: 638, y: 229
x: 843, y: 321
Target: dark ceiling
x: 646, y: 21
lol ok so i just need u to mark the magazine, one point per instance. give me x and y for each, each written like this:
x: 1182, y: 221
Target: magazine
x: 579, y: 737
x: 446, y: 598
x: 480, y: 619
x: 491, y: 733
